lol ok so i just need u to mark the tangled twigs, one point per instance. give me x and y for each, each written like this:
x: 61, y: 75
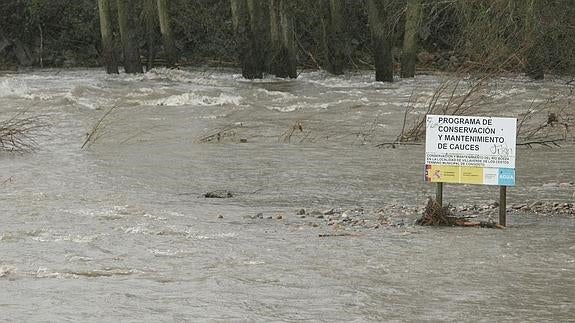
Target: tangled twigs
x: 220, y: 134
x: 287, y: 135
x: 555, y: 124
x: 436, y: 214
x: 19, y: 133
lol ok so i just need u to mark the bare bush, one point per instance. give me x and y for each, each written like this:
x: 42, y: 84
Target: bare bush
x: 548, y: 122
x: 19, y: 133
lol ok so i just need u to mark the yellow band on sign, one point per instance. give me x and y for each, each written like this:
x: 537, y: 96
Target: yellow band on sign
x: 442, y: 173
x: 469, y: 175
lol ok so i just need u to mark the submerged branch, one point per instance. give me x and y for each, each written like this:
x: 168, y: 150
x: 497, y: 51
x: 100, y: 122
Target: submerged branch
x: 95, y: 133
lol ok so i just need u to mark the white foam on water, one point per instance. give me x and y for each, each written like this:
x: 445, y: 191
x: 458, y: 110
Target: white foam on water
x: 162, y: 73
x: 357, y: 80
x: 6, y: 270
x: 166, y: 252
x: 141, y: 228
x: 88, y: 97
x: 498, y: 94
x: 194, y: 99
x: 44, y: 272
x: 215, y: 236
x: 299, y: 106
x: 77, y: 238
x: 19, y: 89
x: 277, y: 95
x: 201, y: 78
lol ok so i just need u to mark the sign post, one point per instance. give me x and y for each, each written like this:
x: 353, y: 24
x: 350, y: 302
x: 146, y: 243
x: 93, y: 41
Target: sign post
x: 439, y: 194
x: 471, y: 150
x: 503, y: 205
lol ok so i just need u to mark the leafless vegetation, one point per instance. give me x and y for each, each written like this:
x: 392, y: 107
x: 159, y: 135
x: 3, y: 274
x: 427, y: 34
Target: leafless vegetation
x: 99, y: 129
x: 19, y: 133
x: 295, y: 130
x: 222, y: 134
x: 455, y: 96
x: 546, y: 123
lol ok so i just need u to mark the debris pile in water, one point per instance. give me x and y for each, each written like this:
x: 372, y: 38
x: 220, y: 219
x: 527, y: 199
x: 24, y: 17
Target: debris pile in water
x: 435, y: 214
x: 219, y: 194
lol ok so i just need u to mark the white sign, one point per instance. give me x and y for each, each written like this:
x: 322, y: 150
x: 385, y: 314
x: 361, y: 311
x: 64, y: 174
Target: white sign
x: 478, y: 150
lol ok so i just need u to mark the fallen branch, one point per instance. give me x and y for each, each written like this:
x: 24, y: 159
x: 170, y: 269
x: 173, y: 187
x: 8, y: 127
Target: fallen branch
x: 344, y: 234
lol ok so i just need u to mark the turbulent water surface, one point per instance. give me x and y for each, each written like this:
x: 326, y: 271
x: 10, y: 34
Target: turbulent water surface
x: 120, y: 230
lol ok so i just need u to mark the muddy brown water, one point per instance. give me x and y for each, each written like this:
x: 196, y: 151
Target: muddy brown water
x: 119, y: 231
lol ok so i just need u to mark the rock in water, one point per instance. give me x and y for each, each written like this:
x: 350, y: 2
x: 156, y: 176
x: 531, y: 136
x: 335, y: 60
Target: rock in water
x: 219, y: 194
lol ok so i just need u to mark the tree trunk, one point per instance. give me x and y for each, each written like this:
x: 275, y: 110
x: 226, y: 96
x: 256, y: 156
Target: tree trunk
x: 245, y: 15
x: 150, y: 19
x: 412, y: 19
x: 535, y: 58
x: 381, y: 31
x: 332, y: 19
x: 167, y: 36
x: 126, y: 20
x: 283, y: 63
x: 108, y: 53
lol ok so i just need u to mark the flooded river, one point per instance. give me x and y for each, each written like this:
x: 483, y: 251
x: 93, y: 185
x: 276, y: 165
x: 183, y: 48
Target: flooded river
x: 120, y: 230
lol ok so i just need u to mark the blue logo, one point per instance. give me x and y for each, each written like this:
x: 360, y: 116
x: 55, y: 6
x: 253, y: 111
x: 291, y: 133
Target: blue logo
x: 506, y: 177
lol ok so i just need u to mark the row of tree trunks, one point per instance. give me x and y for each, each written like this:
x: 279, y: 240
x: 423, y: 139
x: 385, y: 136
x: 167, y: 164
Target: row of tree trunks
x: 381, y: 32
x: 260, y: 25
x: 334, y: 40
x: 128, y: 33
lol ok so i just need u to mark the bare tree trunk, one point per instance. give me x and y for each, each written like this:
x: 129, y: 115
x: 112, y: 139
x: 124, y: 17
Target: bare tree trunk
x: 332, y: 18
x: 108, y: 53
x: 283, y: 40
x: 126, y: 20
x: 245, y: 15
x: 412, y: 19
x: 534, y: 67
x: 260, y: 23
x: 381, y: 32
x: 151, y: 26
x: 167, y: 36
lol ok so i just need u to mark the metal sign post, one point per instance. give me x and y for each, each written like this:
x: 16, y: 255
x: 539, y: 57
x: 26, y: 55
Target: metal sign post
x: 503, y: 205
x: 439, y: 194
